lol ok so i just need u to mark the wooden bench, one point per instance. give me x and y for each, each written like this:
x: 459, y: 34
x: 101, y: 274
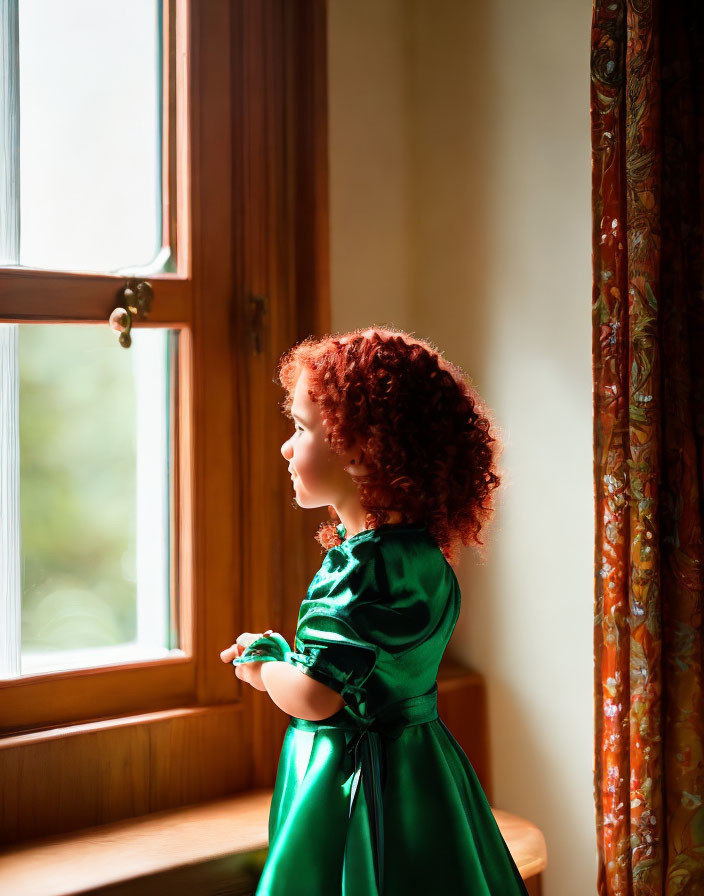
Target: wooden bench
x: 208, y: 849
x: 218, y: 848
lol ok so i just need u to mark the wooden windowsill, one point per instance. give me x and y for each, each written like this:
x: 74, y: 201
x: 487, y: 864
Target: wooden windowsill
x: 223, y: 841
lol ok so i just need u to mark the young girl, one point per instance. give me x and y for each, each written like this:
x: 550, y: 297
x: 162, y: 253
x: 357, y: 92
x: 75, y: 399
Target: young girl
x: 373, y: 794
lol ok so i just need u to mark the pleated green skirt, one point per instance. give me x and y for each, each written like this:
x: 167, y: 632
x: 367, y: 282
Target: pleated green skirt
x: 439, y: 833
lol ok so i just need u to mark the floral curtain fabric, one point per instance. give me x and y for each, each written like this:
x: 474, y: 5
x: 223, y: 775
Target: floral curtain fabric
x: 647, y: 107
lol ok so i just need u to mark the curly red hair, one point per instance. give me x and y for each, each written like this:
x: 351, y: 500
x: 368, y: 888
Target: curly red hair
x: 427, y: 439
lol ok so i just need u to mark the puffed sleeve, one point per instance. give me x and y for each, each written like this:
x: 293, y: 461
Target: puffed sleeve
x: 333, y: 641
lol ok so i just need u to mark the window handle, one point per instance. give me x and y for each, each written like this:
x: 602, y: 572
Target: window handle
x: 137, y: 298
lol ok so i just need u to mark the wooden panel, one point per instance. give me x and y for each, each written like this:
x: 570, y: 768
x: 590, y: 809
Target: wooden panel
x: 38, y: 701
x: 64, y: 780
x: 216, y: 455
x: 280, y: 253
x: 462, y: 707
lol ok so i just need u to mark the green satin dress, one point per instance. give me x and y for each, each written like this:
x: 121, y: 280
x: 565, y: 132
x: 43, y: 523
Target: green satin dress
x: 379, y: 798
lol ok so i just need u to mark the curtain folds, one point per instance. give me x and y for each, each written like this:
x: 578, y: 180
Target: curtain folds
x: 647, y: 107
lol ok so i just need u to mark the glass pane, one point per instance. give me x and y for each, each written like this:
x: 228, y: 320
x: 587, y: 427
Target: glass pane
x: 90, y: 134
x: 96, y: 487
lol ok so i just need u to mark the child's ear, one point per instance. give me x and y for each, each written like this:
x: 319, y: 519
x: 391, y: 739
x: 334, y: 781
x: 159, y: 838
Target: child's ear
x: 355, y: 465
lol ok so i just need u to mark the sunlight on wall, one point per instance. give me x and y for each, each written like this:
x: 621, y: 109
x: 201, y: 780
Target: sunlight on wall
x: 460, y: 210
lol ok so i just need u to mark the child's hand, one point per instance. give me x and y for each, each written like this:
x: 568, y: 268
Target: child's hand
x: 249, y: 672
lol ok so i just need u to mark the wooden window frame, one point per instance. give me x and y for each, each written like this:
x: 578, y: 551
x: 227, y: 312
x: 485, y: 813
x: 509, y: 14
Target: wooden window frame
x: 30, y: 295
x: 246, y: 216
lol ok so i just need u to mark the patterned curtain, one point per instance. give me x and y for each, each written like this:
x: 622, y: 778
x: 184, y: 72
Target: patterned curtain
x: 647, y: 102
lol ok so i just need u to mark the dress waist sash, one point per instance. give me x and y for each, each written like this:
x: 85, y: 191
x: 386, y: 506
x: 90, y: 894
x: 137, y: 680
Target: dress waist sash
x: 368, y: 746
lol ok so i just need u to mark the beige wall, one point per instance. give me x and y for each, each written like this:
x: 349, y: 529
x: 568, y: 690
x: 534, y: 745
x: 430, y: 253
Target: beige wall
x: 369, y: 251
x: 460, y: 177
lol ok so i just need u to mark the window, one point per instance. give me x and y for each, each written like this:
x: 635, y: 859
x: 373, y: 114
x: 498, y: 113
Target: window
x: 168, y: 449
x: 88, y: 496
x: 85, y: 108
x: 91, y: 432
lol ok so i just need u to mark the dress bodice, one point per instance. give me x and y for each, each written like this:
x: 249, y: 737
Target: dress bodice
x: 378, y: 615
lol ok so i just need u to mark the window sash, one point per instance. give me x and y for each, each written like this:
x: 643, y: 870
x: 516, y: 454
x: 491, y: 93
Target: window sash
x: 153, y: 535
x: 30, y: 295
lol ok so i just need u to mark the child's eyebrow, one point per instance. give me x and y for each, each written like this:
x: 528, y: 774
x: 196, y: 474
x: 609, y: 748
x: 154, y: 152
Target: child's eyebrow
x: 300, y: 419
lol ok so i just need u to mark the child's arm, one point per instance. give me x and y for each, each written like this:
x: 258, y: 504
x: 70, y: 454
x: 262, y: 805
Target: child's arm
x: 294, y: 692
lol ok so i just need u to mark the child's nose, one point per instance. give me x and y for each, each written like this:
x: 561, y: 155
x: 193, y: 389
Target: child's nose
x: 285, y: 449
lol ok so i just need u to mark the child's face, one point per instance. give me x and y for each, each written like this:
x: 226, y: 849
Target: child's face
x: 319, y: 475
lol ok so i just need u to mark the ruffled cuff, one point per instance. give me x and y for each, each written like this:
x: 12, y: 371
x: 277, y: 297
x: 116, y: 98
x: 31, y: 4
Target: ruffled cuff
x: 267, y: 648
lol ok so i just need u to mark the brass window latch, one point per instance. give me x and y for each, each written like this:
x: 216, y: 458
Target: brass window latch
x: 137, y: 297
